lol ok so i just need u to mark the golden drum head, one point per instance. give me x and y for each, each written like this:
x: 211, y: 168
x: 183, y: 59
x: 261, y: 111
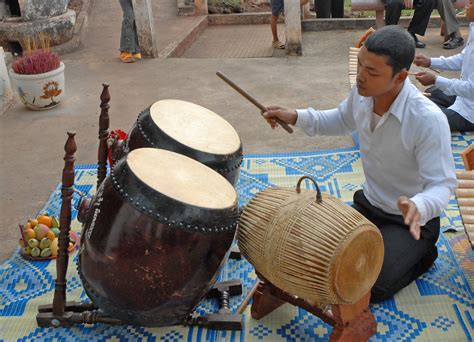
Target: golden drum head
x: 325, y: 252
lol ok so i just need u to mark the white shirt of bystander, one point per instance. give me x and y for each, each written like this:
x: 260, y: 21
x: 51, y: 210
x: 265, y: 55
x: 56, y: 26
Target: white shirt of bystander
x: 407, y: 154
x: 463, y: 87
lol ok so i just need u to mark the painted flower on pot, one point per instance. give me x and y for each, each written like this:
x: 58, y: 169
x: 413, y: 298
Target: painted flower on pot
x: 50, y: 90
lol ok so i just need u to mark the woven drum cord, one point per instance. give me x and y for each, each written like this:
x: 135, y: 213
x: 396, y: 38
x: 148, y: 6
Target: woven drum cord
x: 278, y: 235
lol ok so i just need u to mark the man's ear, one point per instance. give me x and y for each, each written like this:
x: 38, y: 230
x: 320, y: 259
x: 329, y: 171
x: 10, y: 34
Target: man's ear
x: 401, y: 76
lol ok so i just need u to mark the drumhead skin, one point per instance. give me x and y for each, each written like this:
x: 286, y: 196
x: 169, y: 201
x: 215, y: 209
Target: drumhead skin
x: 195, y: 126
x: 157, y: 233
x: 191, y: 130
x: 189, y: 182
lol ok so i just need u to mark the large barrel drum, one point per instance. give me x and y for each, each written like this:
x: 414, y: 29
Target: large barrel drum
x: 157, y: 233
x: 191, y: 130
x: 311, y: 245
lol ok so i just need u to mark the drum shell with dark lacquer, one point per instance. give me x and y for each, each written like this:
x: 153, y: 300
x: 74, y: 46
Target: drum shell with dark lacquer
x: 149, y: 259
x: 146, y: 133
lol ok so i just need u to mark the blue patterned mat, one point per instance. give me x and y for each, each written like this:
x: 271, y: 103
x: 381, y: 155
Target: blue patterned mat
x: 438, y: 306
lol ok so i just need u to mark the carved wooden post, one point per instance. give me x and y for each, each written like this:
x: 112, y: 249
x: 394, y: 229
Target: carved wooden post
x: 103, y: 135
x: 67, y: 191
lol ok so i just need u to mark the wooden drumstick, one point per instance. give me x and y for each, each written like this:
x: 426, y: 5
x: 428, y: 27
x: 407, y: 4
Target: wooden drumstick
x: 253, y: 100
x: 249, y: 296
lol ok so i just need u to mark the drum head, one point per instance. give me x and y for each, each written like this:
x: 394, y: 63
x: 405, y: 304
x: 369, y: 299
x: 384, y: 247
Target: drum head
x: 181, y: 178
x: 195, y: 126
x: 359, y: 264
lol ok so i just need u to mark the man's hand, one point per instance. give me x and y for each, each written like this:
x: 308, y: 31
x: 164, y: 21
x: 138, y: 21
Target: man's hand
x: 408, y: 4
x: 285, y: 114
x: 422, y: 60
x: 411, y: 215
x: 425, y: 78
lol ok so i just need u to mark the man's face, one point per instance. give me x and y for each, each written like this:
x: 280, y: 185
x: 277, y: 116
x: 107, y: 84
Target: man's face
x: 470, y: 11
x: 374, y: 75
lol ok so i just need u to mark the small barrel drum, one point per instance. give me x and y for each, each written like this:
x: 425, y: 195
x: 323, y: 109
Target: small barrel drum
x: 311, y: 245
x: 157, y: 233
x: 189, y: 129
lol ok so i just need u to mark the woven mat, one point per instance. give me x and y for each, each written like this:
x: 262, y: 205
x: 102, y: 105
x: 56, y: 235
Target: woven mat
x: 436, y: 307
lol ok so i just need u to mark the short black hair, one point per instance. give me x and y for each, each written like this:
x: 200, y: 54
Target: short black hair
x: 394, y: 43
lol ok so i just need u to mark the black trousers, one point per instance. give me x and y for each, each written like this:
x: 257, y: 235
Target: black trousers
x: 457, y: 123
x: 421, y: 17
x: 329, y: 8
x: 405, y: 258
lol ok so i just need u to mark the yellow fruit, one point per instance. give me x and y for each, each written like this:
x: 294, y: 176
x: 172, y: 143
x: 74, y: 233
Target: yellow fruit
x: 27, y: 226
x: 54, y: 223
x: 50, y: 235
x: 29, y: 234
x: 54, y: 247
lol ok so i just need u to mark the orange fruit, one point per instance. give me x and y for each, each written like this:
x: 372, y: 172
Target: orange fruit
x: 30, y: 234
x: 33, y: 222
x: 50, y: 235
x: 46, y: 220
x: 27, y: 226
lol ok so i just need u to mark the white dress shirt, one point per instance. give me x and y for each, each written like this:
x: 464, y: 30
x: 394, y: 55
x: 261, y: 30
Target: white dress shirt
x: 407, y: 154
x: 464, y: 86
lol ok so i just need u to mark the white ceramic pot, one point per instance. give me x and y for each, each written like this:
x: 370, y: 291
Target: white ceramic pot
x: 41, y: 91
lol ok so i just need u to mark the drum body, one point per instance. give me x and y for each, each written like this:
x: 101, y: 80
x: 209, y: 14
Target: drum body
x: 325, y: 252
x: 191, y: 130
x: 149, y: 252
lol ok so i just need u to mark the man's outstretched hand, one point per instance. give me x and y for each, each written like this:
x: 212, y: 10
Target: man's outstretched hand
x: 287, y: 115
x: 411, y: 215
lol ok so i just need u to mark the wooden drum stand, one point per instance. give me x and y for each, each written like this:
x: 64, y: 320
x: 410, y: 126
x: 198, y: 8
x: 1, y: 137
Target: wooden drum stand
x: 350, y: 323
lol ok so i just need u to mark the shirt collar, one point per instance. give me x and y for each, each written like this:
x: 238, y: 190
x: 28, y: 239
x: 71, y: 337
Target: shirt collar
x: 398, y: 105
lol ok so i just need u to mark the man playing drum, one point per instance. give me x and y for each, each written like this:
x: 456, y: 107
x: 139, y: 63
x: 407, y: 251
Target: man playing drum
x: 405, y: 147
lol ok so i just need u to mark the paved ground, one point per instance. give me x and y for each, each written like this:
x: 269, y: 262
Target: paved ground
x: 31, y: 143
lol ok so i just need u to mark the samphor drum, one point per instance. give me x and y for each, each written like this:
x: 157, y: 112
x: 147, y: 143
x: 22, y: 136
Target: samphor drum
x: 155, y: 236
x: 310, y: 245
x: 191, y: 130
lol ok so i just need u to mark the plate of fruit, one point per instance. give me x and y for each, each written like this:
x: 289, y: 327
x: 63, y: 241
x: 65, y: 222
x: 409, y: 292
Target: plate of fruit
x: 39, y: 238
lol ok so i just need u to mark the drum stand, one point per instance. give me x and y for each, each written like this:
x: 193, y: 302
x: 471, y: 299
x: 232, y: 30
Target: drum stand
x: 351, y: 322
x: 65, y: 314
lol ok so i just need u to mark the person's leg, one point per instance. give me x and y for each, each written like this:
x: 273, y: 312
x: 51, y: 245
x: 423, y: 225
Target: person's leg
x: 405, y: 258
x: 277, y: 8
x: 128, y: 34
x: 421, y: 17
x: 337, y: 8
x: 457, y: 123
x: 439, y: 97
x: 452, y: 35
x: 393, y: 11
x: 322, y: 8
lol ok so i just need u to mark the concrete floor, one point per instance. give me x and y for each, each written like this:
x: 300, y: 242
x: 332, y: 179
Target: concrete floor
x: 31, y: 143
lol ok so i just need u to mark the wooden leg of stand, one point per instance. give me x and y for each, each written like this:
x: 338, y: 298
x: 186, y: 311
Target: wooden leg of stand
x: 264, y: 302
x: 354, y: 322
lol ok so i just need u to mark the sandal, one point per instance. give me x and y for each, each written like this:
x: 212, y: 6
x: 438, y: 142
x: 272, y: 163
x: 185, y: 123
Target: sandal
x: 278, y: 45
x: 137, y: 55
x: 126, y: 57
